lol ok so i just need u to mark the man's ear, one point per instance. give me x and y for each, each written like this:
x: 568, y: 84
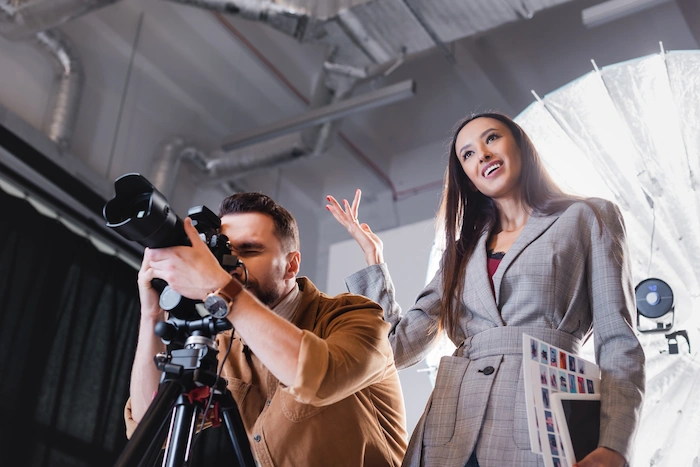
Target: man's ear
x: 293, y: 263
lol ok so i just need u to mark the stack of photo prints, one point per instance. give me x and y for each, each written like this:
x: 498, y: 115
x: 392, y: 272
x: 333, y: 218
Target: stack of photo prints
x: 548, y: 369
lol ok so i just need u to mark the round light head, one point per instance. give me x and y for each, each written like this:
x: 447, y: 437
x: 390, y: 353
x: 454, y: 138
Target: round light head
x: 654, y: 298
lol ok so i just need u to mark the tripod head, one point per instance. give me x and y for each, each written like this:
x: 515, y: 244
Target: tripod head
x: 189, y: 384
x: 193, y: 358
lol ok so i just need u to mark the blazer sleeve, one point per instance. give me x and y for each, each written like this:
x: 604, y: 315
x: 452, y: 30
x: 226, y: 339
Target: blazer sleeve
x: 412, y: 334
x: 617, y: 349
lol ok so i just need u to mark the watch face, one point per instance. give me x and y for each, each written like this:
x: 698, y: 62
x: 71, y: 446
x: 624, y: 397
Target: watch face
x: 216, y: 305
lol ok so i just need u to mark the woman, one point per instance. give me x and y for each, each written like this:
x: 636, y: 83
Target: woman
x: 521, y: 257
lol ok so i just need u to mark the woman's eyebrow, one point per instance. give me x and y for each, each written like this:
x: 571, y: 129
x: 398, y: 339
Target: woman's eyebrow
x: 480, y: 136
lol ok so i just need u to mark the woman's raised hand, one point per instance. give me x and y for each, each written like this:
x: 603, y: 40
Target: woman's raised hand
x: 346, y: 215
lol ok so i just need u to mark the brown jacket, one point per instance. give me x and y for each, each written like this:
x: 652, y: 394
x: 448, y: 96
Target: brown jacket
x: 345, y: 407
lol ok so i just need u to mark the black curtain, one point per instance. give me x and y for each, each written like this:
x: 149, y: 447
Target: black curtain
x: 69, y: 318
x: 68, y: 329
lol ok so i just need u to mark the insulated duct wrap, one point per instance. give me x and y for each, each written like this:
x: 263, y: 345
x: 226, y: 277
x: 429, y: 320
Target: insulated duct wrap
x: 374, y: 32
x: 241, y: 162
x: 24, y: 18
x: 68, y: 85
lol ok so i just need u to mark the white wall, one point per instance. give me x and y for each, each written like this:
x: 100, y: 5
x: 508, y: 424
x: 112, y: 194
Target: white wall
x: 406, y: 251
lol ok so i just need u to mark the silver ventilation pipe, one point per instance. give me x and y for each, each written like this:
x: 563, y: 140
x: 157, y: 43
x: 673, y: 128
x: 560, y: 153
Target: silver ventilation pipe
x: 167, y: 163
x: 25, y: 18
x: 222, y: 166
x: 37, y: 20
x: 68, y: 86
x: 244, y: 161
x: 366, y: 33
x: 288, y: 20
x: 310, y: 142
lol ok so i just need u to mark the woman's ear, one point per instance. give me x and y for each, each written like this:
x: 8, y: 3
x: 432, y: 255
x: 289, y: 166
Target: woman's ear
x: 293, y: 263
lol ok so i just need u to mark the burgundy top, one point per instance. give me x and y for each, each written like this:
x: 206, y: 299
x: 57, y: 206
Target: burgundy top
x: 494, y: 259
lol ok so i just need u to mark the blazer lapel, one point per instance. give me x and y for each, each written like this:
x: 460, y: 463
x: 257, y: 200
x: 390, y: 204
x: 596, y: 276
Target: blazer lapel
x: 534, y: 227
x: 477, y: 276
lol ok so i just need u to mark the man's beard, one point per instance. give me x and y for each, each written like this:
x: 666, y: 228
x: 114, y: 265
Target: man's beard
x: 267, y: 295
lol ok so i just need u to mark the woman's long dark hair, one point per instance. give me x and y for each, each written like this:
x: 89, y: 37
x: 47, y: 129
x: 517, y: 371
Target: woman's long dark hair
x: 466, y: 213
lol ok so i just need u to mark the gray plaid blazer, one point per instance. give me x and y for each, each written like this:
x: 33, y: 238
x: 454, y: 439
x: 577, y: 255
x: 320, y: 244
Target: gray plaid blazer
x: 561, y: 281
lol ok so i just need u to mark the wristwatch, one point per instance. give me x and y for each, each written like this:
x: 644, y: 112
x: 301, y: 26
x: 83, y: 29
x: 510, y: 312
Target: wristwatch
x: 219, y: 302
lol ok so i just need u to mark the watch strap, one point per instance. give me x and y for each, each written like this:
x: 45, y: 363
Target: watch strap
x: 230, y: 290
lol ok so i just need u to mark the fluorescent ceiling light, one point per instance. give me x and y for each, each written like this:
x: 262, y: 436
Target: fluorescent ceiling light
x: 615, y: 9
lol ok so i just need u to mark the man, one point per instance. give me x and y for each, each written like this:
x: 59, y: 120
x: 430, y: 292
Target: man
x: 318, y: 386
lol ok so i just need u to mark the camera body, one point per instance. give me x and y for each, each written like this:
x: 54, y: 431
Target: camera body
x: 141, y: 213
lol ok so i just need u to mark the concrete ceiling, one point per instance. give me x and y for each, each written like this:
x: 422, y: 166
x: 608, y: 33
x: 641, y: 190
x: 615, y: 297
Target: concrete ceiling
x: 156, y: 70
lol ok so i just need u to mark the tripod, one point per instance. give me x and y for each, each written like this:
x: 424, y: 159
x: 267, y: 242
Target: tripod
x: 187, y: 371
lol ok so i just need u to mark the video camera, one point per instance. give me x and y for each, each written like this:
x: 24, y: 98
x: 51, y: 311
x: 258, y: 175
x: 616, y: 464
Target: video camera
x: 139, y: 212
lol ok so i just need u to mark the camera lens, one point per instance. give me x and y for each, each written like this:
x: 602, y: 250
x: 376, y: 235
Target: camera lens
x: 139, y: 212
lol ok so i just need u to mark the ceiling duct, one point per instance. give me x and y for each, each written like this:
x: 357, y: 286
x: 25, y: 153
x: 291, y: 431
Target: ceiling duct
x: 365, y: 34
x: 28, y: 20
x: 24, y: 18
x: 68, y: 86
x: 365, y: 37
x: 221, y: 166
x: 284, y: 142
x: 36, y: 21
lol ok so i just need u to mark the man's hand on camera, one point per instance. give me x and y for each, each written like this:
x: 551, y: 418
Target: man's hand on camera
x: 193, y: 271
x: 150, y: 309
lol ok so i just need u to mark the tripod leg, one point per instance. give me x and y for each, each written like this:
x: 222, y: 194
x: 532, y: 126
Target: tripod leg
x: 151, y: 425
x: 239, y: 437
x: 182, y: 430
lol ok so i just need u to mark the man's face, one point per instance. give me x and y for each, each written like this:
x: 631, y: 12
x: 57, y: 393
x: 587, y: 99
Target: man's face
x: 253, y: 240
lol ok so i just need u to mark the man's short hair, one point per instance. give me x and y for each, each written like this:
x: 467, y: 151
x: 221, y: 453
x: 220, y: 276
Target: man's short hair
x: 286, y: 228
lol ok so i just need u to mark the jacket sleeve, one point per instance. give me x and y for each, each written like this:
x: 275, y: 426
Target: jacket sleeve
x: 618, y: 351
x: 348, y: 352
x: 412, y: 334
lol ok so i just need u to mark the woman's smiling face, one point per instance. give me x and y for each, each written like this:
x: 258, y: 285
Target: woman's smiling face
x: 490, y: 157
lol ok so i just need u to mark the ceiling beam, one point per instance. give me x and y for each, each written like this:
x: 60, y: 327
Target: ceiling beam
x: 612, y: 10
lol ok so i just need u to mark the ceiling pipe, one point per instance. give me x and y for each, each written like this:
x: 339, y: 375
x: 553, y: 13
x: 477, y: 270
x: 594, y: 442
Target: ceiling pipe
x: 285, y: 19
x: 365, y: 39
x: 36, y: 20
x: 326, y: 113
x: 68, y: 86
x: 23, y: 19
x: 307, y: 143
x: 364, y: 34
x: 222, y: 167
x: 311, y: 142
x: 352, y: 147
x: 167, y: 163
